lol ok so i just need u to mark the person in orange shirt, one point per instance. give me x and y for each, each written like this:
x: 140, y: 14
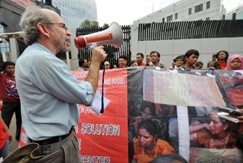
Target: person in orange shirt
x: 147, y: 145
x: 6, y: 137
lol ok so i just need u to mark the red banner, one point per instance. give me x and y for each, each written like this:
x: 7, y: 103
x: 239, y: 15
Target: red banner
x: 101, y: 136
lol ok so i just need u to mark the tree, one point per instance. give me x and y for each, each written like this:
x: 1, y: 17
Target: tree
x: 94, y: 24
x: 106, y: 25
x: 89, y: 24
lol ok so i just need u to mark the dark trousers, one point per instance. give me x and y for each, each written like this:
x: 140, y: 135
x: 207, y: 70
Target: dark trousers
x: 9, y: 108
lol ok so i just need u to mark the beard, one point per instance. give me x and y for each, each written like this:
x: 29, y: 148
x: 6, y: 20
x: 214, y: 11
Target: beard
x: 63, y: 47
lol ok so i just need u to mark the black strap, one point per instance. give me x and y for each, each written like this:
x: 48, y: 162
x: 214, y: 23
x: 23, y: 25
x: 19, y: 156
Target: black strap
x: 102, y: 89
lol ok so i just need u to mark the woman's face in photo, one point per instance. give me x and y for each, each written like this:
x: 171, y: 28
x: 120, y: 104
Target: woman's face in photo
x: 216, y: 126
x: 146, y: 113
x: 145, y: 139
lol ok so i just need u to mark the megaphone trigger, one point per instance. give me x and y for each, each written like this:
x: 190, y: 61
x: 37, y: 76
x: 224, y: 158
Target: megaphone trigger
x: 111, y: 36
x: 93, y: 45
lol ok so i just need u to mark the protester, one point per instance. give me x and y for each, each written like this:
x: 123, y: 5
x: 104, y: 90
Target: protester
x: 139, y: 59
x: 155, y: 59
x: 198, y: 65
x: 177, y: 63
x: 5, y: 138
x: 172, y: 65
x: 222, y: 57
x: 148, y: 60
x: 122, y: 61
x: 10, y: 97
x: 190, y: 58
x: 48, y: 91
x: 210, y: 64
x: 235, y: 62
x: 107, y: 65
x: 147, y: 146
x: 83, y: 64
x: 133, y: 63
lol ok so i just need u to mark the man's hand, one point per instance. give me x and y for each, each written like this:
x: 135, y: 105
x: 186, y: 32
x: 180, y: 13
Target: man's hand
x: 98, y: 56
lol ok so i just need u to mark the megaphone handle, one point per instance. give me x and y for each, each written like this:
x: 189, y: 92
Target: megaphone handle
x: 92, y: 45
x: 102, y: 89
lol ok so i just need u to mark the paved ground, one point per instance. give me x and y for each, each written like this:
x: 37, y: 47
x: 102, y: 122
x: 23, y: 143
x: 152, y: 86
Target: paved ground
x: 14, y: 145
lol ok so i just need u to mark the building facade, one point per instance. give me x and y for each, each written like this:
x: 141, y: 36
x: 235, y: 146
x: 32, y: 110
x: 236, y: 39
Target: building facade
x: 10, y: 14
x: 236, y: 13
x: 76, y: 11
x: 73, y: 13
x: 187, y: 10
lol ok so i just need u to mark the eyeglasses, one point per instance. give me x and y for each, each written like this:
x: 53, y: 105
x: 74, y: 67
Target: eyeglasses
x: 60, y: 25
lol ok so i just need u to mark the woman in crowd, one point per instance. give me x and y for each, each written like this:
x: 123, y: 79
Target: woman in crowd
x: 147, y: 145
x: 235, y: 62
x: 133, y: 63
x: 222, y: 57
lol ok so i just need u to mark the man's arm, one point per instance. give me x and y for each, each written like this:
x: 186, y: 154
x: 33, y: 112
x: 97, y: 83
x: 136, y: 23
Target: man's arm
x: 98, y: 56
x: 6, y: 130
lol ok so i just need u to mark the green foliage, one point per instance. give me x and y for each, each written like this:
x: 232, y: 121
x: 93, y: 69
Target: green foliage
x: 94, y: 24
x: 89, y: 24
x: 106, y: 25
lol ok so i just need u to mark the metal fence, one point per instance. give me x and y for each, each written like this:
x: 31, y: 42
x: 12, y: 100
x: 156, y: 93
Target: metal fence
x: 190, y: 30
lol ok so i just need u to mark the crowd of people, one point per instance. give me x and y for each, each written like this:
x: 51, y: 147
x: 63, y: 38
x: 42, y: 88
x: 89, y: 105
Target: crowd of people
x: 10, y: 105
x: 221, y: 61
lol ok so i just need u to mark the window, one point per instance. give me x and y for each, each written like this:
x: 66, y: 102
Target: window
x: 163, y: 20
x: 198, y: 8
x: 208, y: 5
x: 190, y: 11
x: 169, y: 18
x: 207, y: 18
x: 4, y: 44
x: 1, y: 28
x: 176, y: 15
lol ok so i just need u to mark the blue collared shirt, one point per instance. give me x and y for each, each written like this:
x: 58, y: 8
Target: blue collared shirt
x: 49, y: 93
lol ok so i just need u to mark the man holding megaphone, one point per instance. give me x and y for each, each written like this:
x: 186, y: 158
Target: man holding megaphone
x: 48, y: 91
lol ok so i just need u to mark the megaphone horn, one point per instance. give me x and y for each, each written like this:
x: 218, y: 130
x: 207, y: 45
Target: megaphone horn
x: 111, y: 36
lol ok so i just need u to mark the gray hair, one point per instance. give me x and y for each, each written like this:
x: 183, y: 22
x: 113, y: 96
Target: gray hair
x: 29, y: 20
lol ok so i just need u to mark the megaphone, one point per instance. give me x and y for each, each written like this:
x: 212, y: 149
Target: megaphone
x: 111, y: 36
